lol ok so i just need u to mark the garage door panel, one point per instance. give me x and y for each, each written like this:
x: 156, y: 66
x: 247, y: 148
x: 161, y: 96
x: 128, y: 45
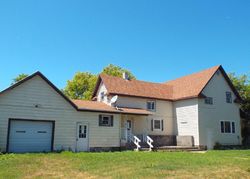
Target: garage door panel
x: 30, y: 136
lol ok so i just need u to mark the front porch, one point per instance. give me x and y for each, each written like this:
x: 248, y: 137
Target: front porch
x: 136, y: 133
x: 133, y: 125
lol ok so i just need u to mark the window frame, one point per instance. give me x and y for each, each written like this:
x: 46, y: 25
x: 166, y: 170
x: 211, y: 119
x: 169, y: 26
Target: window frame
x: 157, y: 120
x: 229, y: 100
x: 209, y: 100
x: 230, y: 130
x: 109, y: 123
x: 151, y: 102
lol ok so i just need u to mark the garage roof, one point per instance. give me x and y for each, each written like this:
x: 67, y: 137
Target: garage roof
x: 81, y: 105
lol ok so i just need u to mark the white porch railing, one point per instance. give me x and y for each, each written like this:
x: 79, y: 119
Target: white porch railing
x: 136, y: 141
x: 149, y: 142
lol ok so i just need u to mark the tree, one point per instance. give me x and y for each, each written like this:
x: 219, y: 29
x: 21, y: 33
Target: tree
x: 81, y: 86
x: 242, y: 84
x: 113, y: 70
x: 83, y: 83
x: 19, y: 78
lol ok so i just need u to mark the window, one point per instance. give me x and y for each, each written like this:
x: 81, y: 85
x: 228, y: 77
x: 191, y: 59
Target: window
x: 156, y: 124
x: 227, y: 127
x: 209, y: 100
x: 151, y: 105
x: 229, y: 97
x: 102, y: 96
x: 82, y: 131
x: 106, y: 120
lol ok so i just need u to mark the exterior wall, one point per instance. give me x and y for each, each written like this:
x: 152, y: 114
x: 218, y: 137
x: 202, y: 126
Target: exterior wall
x: 186, y: 114
x: 211, y: 115
x: 20, y: 101
x: 164, y: 111
x: 101, y: 89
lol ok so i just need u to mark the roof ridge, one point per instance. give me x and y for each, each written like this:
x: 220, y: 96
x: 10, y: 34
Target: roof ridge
x: 142, y: 81
x: 216, y: 67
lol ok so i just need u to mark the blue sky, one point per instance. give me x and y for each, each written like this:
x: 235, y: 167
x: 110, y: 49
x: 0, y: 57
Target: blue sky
x: 156, y: 40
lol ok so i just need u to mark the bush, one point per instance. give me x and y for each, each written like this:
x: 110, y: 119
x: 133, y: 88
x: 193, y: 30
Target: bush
x: 217, y: 146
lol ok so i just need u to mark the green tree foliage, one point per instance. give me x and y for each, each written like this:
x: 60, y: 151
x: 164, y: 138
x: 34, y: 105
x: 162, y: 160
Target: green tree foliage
x: 19, y: 78
x: 83, y: 83
x: 242, y: 84
x: 81, y: 86
x: 114, y: 70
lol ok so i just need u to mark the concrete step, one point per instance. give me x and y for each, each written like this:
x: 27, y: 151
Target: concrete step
x: 178, y: 148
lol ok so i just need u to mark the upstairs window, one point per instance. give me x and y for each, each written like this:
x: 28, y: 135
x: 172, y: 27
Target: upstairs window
x: 102, y: 96
x: 227, y: 127
x: 209, y: 100
x: 106, y: 120
x: 151, y: 105
x: 229, y: 97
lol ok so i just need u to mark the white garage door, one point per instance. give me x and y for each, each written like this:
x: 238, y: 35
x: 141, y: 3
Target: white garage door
x: 30, y: 136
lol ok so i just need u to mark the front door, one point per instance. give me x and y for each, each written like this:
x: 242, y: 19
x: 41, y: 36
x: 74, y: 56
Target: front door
x: 82, y: 137
x: 129, y: 130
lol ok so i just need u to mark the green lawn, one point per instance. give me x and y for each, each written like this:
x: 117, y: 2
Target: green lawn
x: 212, y: 164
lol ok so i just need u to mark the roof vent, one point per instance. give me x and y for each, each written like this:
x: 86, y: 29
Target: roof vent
x: 125, y: 76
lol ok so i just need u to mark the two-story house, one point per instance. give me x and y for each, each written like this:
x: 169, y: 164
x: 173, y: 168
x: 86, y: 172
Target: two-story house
x: 199, y: 109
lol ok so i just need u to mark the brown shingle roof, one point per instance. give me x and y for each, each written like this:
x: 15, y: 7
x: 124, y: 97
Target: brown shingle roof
x: 182, y: 88
x: 120, y: 86
x: 191, y: 85
x: 102, y: 107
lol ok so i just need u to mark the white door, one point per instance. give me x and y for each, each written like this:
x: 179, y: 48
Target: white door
x: 82, y: 137
x: 30, y: 136
x: 129, y: 130
x: 210, y: 135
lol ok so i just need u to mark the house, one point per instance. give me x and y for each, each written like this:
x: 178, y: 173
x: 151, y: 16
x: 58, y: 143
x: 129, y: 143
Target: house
x: 199, y: 109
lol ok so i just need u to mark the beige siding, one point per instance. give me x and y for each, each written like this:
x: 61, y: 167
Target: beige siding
x: 101, y: 89
x: 164, y: 111
x: 186, y: 112
x: 211, y: 115
x: 19, y: 103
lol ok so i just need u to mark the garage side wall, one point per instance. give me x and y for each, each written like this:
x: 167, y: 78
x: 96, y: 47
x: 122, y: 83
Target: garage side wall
x: 36, y: 100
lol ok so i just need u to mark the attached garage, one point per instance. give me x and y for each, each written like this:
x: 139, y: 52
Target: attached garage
x: 30, y: 136
x: 35, y: 116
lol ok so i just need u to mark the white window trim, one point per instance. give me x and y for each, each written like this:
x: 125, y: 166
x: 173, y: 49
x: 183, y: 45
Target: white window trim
x: 231, y: 127
x: 151, y: 101
x: 109, y: 121
x: 157, y: 129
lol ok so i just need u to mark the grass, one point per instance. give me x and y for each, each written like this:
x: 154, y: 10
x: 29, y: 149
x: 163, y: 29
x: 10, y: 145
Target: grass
x: 212, y: 164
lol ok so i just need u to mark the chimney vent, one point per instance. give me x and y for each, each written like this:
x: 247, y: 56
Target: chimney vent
x: 125, y: 76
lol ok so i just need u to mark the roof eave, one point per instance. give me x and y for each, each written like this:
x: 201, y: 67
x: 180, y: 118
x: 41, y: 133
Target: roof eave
x: 112, y: 112
x: 145, y: 97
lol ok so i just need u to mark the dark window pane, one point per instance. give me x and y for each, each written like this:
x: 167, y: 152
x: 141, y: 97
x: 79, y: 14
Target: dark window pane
x: 233, y: 127
x: 157, y: 124
x: 227, y: 127
x: 208, y: 100
x: 229, y: 97
x: 222, y: 127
